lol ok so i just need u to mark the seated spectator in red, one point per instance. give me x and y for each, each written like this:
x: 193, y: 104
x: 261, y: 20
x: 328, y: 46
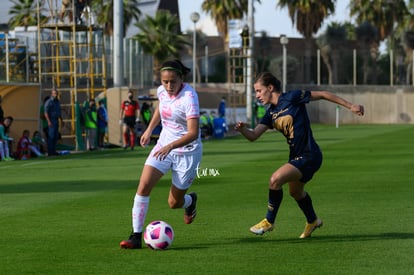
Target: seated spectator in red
x: 25, y: 147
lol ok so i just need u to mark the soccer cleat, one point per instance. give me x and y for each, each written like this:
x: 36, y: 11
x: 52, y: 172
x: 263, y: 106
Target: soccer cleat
x: 191, y: 211
x: 134, y: 241
x: 261, y: 227
x: 310, y: 227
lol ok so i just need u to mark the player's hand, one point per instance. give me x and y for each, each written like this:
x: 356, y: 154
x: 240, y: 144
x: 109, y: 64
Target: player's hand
x: 120, y: 122
x: 163, y: 152
x: 239, y: 125
x: 145, y: 139
x: 358, y: 109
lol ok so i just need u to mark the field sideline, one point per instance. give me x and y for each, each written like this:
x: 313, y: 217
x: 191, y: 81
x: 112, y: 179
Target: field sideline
x: 67, y: 214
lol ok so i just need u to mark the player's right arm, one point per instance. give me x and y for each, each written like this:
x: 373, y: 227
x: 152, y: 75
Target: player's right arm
x: 248, y: 133
x: 146, y: 136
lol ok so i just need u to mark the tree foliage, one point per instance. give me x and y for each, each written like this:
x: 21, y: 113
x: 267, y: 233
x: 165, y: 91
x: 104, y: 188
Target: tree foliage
x: 159, y: 37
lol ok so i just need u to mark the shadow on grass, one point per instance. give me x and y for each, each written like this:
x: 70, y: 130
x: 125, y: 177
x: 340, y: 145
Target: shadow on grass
x: 335, y: 238
x: 323, y: 239
x: 66, y: 186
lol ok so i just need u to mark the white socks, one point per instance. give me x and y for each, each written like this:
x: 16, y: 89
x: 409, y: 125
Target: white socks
x: 187, y: 201
x: 139, y: 212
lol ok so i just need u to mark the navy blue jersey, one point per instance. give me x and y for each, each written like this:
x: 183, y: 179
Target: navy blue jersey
x: 289, y: 116
x: 52, y: 108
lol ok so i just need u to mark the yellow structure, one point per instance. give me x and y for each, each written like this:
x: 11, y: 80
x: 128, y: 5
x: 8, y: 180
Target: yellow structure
x: 71, y: 58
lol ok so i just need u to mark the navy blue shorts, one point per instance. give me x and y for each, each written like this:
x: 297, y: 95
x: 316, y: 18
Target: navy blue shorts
x: 308, y: 164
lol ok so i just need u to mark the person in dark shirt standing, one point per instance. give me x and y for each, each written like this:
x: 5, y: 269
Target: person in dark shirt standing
x: 1, y: 111
x: 53, y: 115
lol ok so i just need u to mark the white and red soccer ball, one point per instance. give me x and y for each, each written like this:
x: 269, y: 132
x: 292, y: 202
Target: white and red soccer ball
x: 158, y: 235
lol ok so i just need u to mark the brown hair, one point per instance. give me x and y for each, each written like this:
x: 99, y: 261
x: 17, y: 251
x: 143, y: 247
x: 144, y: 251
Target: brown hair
x: 267, y: 79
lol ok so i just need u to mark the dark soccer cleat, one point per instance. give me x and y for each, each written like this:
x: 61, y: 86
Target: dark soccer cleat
x: 191, y: 211
x: 134, y: 241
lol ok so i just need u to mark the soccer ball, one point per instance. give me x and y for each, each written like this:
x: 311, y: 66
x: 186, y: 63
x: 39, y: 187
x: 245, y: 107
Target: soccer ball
x: 158, y: 235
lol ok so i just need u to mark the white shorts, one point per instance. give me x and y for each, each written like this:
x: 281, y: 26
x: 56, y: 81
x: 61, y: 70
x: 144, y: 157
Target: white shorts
x: 183, y: 166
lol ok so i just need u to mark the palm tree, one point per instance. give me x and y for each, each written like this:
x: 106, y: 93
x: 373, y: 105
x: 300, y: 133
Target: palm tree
x: 159, y: 36
x: 24, y: 13
x: 368, y: 41
x: 407, y: 42
x: 386, y: 16
x: 221, y: 12
x: 331, y: 44
x: 308, y: 16
x: 105, y: 15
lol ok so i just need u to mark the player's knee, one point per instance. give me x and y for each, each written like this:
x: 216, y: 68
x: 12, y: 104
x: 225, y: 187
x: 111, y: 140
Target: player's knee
x: 275, y: 182
x: 296, y: 194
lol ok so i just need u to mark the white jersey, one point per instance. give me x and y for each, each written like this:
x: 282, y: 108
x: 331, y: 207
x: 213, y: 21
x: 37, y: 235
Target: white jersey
x: 175, y: 111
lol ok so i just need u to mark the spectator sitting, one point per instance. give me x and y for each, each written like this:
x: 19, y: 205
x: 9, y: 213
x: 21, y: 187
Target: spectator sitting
x: 39, y: 142
x: 25, y: 147
x: 205, y: 126
x: 4, y: 139
x: 220, y: 127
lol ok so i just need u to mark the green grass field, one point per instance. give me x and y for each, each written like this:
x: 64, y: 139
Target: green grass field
x: 67, y: 215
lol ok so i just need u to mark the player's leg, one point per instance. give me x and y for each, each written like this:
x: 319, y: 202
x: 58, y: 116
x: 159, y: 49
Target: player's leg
x: 125, y: 135
x: 303, y: 199
x: 132, y: 137
x: 2, y: 155
x: 183, y: 172
x: 281, y: 176
x: 149, y: 178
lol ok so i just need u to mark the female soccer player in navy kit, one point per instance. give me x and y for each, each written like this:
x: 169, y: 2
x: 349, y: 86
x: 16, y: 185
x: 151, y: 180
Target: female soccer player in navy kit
x: 287, y: 114
x: 178, y: 149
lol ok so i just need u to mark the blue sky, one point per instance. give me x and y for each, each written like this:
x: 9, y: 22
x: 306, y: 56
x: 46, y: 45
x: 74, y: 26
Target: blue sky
x: 267, y: 17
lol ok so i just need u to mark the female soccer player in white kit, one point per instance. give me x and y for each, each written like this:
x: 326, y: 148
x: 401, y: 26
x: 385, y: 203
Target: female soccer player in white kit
x: 179, y: 148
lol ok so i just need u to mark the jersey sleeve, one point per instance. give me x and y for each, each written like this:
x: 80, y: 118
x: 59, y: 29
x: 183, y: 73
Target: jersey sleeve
x: 299, y: 96
x: 267, y: 119
x: 192, y: 109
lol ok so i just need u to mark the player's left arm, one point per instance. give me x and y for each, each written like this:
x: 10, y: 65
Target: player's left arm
x: 355, y: 108
x: 192, y: 134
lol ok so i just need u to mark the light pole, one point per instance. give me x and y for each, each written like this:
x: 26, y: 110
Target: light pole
x: 194, y: 17
x: 284, y: 40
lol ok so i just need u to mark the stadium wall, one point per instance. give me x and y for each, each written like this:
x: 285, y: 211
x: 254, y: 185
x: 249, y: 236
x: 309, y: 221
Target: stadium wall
x: 22, y: 102
x: 383, y: 104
